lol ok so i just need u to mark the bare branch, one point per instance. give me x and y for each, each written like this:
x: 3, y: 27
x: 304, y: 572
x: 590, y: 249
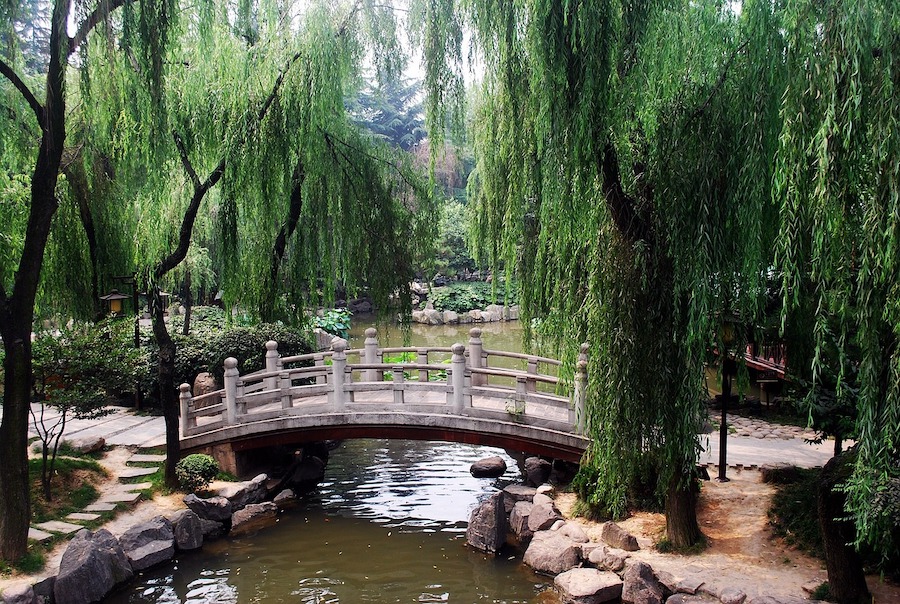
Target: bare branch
x: 696, y: 113
x: 622, y: 206
x: 23, y: 89
x: 99, y: 14
x: 185, y: 161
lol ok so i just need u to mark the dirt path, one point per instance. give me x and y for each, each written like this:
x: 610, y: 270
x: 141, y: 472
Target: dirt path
x: 741, y: 550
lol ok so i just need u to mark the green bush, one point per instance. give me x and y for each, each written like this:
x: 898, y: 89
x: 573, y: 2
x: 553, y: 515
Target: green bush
x: 248, y: 346
x: 335, y: 321
x: 465, y: 296
x: 195, y: 472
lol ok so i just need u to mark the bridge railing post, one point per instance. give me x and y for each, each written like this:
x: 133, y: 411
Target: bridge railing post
x: 272, y: 363
x: 338, y: 368
x: 422, y: 359
x: 284, y: 385
x: 577, y: 413
x: 241, y: 407
x: 230, y: 378
x: 398, y: 379
x: 319, y: 361
x: 518, y: 402
x: 531, y: 383
x: 186, y: 401
x: 476, y: 356
x: 371, y: 354
x: 458, y: 378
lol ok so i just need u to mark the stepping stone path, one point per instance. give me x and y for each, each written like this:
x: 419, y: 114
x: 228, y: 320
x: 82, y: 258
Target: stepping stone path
x: 124, y: 494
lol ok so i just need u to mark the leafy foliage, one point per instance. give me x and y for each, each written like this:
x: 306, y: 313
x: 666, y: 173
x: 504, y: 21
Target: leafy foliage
x: 462, y: 296
x: 335, y: 321
x: 196, y: 471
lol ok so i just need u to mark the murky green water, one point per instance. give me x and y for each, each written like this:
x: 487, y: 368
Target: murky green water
x: 387, y: 525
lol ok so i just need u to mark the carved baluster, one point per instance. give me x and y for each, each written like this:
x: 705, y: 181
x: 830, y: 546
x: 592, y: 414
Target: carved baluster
x: 231, y: 377
x: 338, y: 368
x: 186, y: 401
x: 458, y: 377
x: 399, y: 389
x: 476, y: 357
x: 272, y: 362
x: 371, y: 354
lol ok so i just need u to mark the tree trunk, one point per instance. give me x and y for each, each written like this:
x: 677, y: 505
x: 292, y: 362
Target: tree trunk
x: 167, y: 395
x: 15, y: 504
x: 846, y: 580
x: 188, y: 303
x: 682, y: 528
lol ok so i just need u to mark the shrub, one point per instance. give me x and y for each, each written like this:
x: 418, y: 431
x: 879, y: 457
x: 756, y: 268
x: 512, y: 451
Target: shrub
x: 335, y: 321
x: 466, y: 296
x: 195, y: 472
x: 248, y: 346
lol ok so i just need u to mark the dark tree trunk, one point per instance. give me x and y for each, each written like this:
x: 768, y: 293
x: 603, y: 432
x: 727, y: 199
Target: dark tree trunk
x: 78, y: 179
x: 167, y: 396
x: 270, y: 291
x: 846, y: 580
x: 682, y: 528
x: 188, y: 303
x: 15, y: 505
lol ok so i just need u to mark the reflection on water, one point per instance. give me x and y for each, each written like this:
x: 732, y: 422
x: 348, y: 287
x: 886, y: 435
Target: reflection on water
x: 387, y: 526
x: 504, y: 335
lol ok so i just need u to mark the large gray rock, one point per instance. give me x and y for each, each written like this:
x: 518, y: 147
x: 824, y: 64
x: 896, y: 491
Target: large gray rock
x: 588, y: 586
x: 253, y: 517
x: 618, y: 537
x: 212, y: 529
x: 22, y: 593
x: 217, y: 509
x: 552, y: 553
x: 149, y: 543
x: 537, y: 471
x: 517, y: 492
x: 641, y: 586
x: 92, y: 565
x: 487, y: 525
x: 188, y: 530
x: 204, y: 383
x: 285, y: 499
x: 489, y: 467
x: 90, y: 444
x: 43, y: 590
x: 450, y: 317
x: 542, y: 517
x: 244, y: 493
x: 732, y: 595
x: 574, y: 532
x: 518, y: 521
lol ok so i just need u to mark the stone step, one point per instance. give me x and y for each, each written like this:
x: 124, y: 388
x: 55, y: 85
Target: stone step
x: 100, y: 506
x: 82, y: 516
x: 58, y: 526
x: 138, y: 486
x: 120, y: 497
x: 146, y: 458
x: 37, y: 534
x: 135, y: 472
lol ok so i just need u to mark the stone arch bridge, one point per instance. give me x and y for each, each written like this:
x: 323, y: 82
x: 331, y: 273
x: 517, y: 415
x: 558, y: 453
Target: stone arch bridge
x: 466, y: 394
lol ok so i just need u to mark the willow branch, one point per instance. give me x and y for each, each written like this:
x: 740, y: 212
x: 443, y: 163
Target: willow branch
x: 287, y: 229
x: 330, y: 137
x: 722, y: 76
x: 99, y: 14
x: 188, y: 167
x: 24, y: 90
x: 622, y: 206
x: 190, y: 215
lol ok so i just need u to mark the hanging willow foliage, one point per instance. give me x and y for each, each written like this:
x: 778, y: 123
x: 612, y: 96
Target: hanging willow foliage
x: 623, y: 154
x: 838, y: 182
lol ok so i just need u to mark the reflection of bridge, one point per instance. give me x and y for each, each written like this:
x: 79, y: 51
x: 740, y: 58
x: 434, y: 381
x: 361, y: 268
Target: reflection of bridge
x: 472, y: 395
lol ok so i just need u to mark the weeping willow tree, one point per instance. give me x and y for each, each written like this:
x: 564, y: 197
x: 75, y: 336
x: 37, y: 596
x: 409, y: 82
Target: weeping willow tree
x: 838, y: 182
x: 624, y: 155
x: 222, y: 119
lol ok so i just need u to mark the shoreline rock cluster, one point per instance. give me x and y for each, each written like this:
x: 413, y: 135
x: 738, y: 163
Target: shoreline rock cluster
x: 491, y: 313
x: 95, y: 563
x: 587, y: 572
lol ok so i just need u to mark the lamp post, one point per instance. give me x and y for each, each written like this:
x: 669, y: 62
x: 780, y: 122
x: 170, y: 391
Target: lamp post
x: 727, y: 339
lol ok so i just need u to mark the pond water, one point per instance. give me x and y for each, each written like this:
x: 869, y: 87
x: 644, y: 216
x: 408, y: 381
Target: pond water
x: 387, y: 525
